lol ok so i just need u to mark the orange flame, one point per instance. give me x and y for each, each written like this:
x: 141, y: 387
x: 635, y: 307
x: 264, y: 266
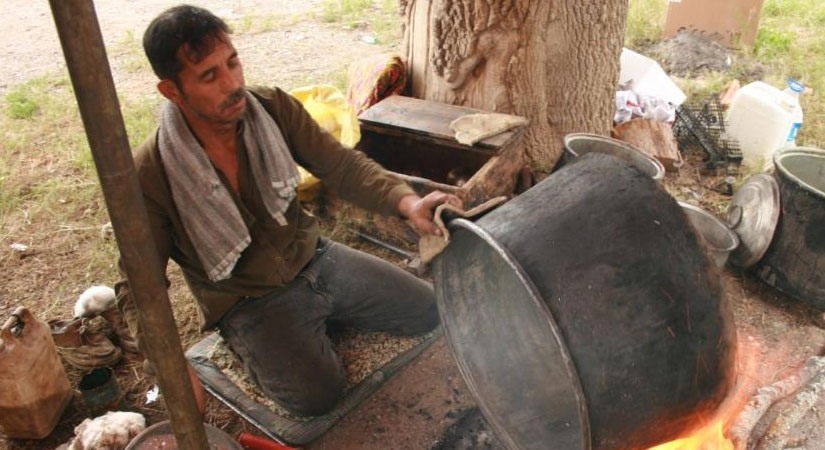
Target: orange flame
x: 707, y: 438
x: 712, y: 436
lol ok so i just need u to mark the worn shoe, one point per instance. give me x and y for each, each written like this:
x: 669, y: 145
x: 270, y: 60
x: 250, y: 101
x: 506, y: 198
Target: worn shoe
x: 82, y: 343
x: 121, y: 329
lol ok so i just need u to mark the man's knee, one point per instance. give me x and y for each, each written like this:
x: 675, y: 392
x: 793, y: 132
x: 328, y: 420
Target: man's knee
x: 314, y: 398
x: 425, y: 320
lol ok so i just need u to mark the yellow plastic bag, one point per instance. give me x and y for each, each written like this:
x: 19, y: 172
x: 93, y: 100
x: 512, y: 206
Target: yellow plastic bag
x: 328, y: 106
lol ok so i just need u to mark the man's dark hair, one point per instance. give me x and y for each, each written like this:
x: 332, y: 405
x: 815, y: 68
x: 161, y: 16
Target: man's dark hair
x: 178, y: 26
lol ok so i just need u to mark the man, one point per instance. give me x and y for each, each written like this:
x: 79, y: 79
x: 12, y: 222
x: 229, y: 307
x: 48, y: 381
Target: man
x: 219, y: 180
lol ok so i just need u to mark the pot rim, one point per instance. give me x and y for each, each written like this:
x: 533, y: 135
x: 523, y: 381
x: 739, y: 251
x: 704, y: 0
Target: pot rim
x: 717, y: 221
x: 783, y: 172
x: 572, y: 381
x: 658, y: 168
x: 151, y: 430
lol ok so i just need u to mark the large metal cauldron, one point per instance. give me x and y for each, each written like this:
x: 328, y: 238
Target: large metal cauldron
x: 584, y: 314
x: 795, y: 260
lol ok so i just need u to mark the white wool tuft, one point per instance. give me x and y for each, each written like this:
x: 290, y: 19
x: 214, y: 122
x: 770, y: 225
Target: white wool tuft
x: 94, y: 300
x: 111, y: 431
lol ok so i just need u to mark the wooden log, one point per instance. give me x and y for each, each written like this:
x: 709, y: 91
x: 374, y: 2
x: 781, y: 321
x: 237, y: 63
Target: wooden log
x: 765, y: 397
x: 778, y: 433
x: 498, y: 177
x: 651, y: 137
x: 727, y: 96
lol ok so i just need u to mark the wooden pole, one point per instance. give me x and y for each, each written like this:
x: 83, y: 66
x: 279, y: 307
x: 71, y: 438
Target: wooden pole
x: 94, y: 88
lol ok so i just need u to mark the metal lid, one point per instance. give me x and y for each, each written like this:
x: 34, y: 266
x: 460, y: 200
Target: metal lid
x: 753, y: 214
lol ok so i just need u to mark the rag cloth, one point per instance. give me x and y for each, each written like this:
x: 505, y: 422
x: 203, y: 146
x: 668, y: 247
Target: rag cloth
x: 472, y: 128
x: 375, y: 79
x: 209, y: 215
x: 430, y: 246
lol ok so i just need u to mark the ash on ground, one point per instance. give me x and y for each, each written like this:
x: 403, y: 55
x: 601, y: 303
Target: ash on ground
x: 691, y: 53
x: 471, y: 432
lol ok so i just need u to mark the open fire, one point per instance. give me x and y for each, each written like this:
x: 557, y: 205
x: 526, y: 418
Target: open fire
x: 711, y: 436
x: 708, y: 438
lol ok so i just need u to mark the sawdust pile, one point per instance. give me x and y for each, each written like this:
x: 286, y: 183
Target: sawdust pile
x: 361, y: 352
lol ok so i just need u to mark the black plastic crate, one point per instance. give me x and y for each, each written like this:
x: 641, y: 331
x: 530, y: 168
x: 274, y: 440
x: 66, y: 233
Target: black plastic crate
x: 703, y: 125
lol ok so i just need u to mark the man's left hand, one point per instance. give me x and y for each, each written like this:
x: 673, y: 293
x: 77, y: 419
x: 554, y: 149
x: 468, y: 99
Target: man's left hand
x: 419, y: 211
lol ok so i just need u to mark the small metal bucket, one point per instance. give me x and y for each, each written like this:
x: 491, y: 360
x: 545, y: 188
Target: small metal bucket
x: 100, y: 392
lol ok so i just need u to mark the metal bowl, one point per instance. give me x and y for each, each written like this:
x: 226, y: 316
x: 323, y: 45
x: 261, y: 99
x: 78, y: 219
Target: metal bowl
x: 578, y: 144
x: 718, y: 239
x: 160, y: 435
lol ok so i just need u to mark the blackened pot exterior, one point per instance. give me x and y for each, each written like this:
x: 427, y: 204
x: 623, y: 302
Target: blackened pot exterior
x: 795, y: 261
x: 585, y: 314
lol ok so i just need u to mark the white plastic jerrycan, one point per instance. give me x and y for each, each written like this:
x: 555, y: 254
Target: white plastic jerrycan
x: 759, y: 118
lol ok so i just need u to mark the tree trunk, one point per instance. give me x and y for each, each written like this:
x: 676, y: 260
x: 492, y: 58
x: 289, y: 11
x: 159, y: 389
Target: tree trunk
x: 555, y: 62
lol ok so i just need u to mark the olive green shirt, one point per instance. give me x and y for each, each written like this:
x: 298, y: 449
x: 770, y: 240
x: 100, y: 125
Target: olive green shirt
x: 277, y: 253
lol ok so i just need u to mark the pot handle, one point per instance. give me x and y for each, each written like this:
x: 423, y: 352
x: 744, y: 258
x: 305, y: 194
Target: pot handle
x: 16, y: 323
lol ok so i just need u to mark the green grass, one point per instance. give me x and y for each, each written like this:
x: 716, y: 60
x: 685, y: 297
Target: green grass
x: 20, y: 105
x: 50, y: 197
x: 140, y: 118
x: 645, y: 21
x: 128, y: 54
x: 253, y: 24
x: 344, y: 10
x: 807, y: 12
x: 24, y: 101
x: 772, y: 42
x: 378, y: 18
x: 789, y: 43
x: 46, y: 161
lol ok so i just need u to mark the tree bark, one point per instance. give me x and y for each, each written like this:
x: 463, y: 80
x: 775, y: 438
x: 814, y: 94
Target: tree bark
x: 555, y: 62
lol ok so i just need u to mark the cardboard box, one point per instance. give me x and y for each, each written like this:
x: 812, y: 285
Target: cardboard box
x: 736, y: 21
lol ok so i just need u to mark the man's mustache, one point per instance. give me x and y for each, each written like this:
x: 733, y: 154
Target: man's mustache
x: 237, y: 95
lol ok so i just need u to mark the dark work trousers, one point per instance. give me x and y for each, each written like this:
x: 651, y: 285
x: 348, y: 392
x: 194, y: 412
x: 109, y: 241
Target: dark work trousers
x: 282, y: 337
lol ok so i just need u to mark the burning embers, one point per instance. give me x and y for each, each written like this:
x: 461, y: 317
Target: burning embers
x: 743, y: 421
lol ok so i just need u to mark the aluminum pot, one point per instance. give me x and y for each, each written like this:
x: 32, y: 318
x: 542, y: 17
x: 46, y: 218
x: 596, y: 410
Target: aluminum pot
x: 578, y: 144
x: 718, y: 239
x: 584, y: 313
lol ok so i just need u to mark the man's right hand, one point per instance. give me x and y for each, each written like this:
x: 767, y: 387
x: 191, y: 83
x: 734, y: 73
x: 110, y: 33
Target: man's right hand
x: 419, y: 211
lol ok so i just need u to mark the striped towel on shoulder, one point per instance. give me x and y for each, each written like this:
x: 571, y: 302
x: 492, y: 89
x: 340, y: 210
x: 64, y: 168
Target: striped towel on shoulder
x: 209, y: 215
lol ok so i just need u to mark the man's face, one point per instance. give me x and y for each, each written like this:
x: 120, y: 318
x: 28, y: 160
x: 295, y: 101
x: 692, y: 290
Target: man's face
x: 211, y: 88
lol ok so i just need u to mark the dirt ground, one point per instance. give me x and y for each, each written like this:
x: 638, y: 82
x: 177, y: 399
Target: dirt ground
x: 281, y: 55
x: 415, y: 408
